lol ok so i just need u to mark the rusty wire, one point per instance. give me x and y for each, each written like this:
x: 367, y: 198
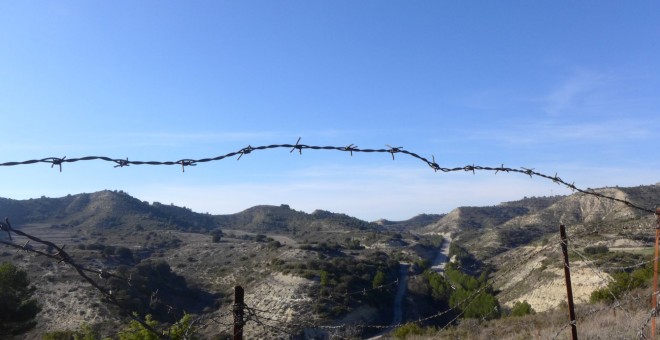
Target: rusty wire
x: 62, y: 256
x: 258, y: 316
x: 120, y: 163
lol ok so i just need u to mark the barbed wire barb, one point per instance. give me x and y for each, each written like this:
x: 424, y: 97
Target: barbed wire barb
x: 350, y: 148
x: 244, y: 151
x: 297, y: 147
x: 57, y: 161
x: 394, y: 149
x: 121, y: 163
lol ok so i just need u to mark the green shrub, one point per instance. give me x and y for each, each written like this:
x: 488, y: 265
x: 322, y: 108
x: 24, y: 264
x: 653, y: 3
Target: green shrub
x: 423, y: 264
x: 17, y: 307
x: 522, y: 308
x: 440, y: 288
x: 324, y: 278
x: 622, y: 283
x: 595, y: 250
x: 167, y: 288
x: 483, y: 305
x: 182, y: 329
x: 379, y: 280
x: 59, y: 335
x: 407, y: 330
x: 84, y: 333
x: 135, y: 330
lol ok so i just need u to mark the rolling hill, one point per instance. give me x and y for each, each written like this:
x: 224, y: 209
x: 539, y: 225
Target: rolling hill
x: 277, y: 252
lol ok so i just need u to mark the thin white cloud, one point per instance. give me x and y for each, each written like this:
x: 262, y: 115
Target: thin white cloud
x: 585, y: 107
x: 572, y: 93
x: 542, y: 132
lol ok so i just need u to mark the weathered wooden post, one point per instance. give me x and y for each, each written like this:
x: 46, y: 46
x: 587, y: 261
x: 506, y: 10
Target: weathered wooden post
x: 567, y: 274
x: 238, y: 309
x: 654, y: 296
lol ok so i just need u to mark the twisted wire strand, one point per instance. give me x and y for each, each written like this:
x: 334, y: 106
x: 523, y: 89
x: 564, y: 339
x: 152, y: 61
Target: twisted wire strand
x: 461, y: 304
x: 63, y: 257
x: 120, y: 163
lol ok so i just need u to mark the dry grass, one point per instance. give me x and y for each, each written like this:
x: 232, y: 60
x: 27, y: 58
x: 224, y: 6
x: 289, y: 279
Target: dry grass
x: 594, y: 321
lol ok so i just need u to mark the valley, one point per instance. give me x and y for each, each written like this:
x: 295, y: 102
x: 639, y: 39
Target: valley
x: 325, y: 275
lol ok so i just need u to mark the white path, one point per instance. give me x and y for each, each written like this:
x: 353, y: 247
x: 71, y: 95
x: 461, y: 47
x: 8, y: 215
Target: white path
x: 438, y: 265
x: 400, y: 293
x: 443, y: 257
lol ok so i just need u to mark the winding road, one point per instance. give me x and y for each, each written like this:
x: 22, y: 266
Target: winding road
x: 400, y: 293
x: 438, y: 266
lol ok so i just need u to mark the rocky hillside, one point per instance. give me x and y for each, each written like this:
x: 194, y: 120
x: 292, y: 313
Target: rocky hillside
x: 118, y: 210
x: 103, y: 209
x: 273, y: 251
x: 488, y: 231
x: 419, y: 221
x: 301, y: 265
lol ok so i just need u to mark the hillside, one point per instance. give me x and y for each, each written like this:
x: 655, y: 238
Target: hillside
x: 523, y: 246
x: 271, y: 250
x: 301, y: 265
x: 118, y: 210
x: 104, y: 209
x: 416, y: 222
x: 488, y: 231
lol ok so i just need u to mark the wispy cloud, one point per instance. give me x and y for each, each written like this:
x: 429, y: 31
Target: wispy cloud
x: 585, y: 107
x: 573, y: 93
x: 545, y: 131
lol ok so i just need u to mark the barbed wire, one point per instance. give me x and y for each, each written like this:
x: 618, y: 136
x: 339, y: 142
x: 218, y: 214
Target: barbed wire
x: 598, y: 270
x: 187, y: 162
x: 261, y: 317
x: 651, y: 314
x: 457, y: 307
x: 489, y: 284
x: 618, y: 303
x: 462, y: 305
x: 253, y: 316
x: 154, y: 296
x: 598, y: 273
x: 62, y: 256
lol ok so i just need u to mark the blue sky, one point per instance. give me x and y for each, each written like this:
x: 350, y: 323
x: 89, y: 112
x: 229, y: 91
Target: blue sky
x: 566, y: 87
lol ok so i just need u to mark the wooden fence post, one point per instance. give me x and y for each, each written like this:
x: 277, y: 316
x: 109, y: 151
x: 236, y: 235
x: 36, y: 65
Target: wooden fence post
x: 567, y: 274
x: 654, y: 296
x: 238, y: 309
